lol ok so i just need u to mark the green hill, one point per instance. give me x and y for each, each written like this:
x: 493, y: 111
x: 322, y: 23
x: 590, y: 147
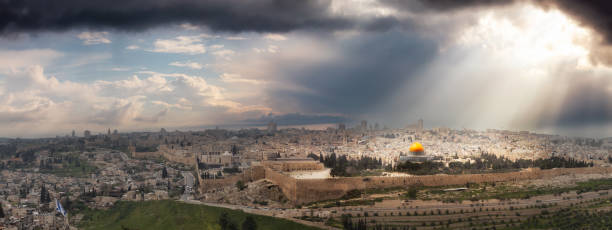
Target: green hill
x: 168, y: 215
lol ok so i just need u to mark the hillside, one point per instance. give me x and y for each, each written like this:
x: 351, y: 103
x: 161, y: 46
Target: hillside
x: 170, y: 215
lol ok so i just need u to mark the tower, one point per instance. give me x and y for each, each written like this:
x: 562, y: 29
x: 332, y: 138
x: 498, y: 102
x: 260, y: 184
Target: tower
x: 420, y: 125
x: 271, y: 127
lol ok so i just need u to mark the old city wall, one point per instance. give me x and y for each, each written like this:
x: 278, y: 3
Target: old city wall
x: 248, y: 175
x: 301, y: 191
x: 286, y: 183
x: 288, y: 166
x: 145, y: 155
x: 311, y: 190
x: 573, y: 171
x: 302, y: 166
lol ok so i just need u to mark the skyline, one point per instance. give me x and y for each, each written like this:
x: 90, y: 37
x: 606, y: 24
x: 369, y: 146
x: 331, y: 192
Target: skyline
x: 520, y: 65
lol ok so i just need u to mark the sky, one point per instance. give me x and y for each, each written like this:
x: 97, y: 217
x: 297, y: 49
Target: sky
x: 137, y: 65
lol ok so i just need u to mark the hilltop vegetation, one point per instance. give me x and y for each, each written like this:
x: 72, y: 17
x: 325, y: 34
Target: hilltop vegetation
x: 488, y: 163
x: 168, y: 215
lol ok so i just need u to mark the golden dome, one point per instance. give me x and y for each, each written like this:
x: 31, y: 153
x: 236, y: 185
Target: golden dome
x: 416, y: 147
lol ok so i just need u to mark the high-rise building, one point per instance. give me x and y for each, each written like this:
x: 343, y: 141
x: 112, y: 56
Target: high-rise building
x: 420, y: 125
x: 271, y: 127
x: 364, y: 125
x: 87, y: 133
x: 73, y: 133
x: 341, y: 126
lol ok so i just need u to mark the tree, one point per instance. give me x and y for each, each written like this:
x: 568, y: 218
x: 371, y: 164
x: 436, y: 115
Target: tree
x: 225, y: 222
x: 44, y: 195
x: 249, y: 223
x: 412, y: 193
x: 1, y: 211
x: 240, y: 185
x: 164, y: 173
x: 346, y: 222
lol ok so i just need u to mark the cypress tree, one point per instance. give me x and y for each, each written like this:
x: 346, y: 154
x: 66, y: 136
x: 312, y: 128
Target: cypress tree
x: 1, y: 211
x: 249, y: 223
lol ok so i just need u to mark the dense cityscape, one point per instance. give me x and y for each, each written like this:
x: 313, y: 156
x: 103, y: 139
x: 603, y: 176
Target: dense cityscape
x: 88, y: 172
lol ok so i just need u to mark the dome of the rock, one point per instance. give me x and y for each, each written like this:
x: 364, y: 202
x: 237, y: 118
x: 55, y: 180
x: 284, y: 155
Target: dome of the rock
x: 416, y: 147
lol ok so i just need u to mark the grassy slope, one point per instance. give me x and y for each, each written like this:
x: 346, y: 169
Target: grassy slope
x: 167, y: 214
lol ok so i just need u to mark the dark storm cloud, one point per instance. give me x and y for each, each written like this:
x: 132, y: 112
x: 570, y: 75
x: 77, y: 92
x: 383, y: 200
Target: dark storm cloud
x: 220, y: 15
x: 587, y: 102
x: 370, y: 68
x: 443, y: 5
x: 296, y: 119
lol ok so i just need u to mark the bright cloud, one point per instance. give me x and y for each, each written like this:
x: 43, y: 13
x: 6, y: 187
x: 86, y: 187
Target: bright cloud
x: 235, y: 38
x: 275, y: 37
x: 236, y: 78
x: 94, y: 38
x: 191, y: 65
x: 30, y: 99
x: 17, y: 59
x: 224, y: 53
x: 180, y: 44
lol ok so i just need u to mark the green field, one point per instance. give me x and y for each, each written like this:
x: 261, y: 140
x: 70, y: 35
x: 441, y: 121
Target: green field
x: 168, y: 215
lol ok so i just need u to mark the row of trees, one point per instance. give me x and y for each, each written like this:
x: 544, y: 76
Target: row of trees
x: 487, y: 163
x: 341, y: 166
x: 348, y: 224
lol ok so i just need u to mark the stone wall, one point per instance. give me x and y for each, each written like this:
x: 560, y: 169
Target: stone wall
x: 289, y: 166
x: 286, y: 183
x: 301, y: 191
x: 311, y: 190
x: 248, y: 175
x: 145, y: 155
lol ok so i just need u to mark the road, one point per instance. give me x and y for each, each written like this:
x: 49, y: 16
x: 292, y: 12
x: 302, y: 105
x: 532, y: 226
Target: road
x: 124, y: 156
x: 189, y: 182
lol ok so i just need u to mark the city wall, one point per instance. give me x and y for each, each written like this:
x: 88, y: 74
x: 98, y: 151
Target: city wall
x: 145, y: 155
x: 301, y: 191
x: 311, y: 190
x: 248, y: 175
x: 289, y: 166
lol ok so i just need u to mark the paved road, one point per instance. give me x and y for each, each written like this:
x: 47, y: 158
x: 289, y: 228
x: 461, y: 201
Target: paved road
x: 189, y: 182
x: 124, y: 156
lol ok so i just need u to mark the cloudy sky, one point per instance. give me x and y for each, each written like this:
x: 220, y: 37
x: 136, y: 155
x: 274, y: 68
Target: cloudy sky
x: 538, y: 65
